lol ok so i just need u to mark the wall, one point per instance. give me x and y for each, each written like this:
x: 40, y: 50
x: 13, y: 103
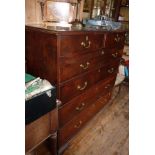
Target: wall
x: 32, y: 12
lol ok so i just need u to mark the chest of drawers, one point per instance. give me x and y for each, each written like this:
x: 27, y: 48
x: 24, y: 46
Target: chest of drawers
x: 83, y: 67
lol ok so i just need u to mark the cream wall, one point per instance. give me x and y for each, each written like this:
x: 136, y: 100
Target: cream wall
x: 32, y: 12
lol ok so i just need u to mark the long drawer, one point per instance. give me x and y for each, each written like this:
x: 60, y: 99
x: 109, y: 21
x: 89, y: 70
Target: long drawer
x: 71, y: 128
x: 78, y: 44
x: 80, y: 103
x: 81, y: 83
x: 72, y: 66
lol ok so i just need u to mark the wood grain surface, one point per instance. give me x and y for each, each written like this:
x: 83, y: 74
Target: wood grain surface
x: 107, y: 133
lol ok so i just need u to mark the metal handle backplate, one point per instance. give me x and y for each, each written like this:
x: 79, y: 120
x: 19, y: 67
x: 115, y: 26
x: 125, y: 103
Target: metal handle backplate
x: 117, y: 38
x: 82, y: 88
x: 85, y: 66
x: 115, y: 55
x: 107, y: 86
x: 80, y: 108
x: 78, y: 125
x: 111, y: 70
x: 87, y: 43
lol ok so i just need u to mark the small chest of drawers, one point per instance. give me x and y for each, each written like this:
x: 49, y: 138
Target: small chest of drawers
x: 83, y: 67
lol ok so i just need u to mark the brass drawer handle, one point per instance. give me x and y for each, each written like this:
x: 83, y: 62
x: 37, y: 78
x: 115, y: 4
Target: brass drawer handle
x: 107, y: 86
x: 115, y: 55
x: 80, y: 108
x: 111, y: 70
x: 78, y: 125
x: 102, y: 52
x: 85, y: 66
x: 117, y: 38
x: 86, y: 44
x: 82, y: 88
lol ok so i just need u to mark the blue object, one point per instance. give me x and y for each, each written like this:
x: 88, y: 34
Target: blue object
x: 102, y: 23
x: 126, y: 71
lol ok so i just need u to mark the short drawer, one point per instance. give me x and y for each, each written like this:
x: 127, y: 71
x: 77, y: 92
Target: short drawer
x: 79, y: 44
x: 70, y: 129
x: 72, y: 66
x: 81, y: 83
x: 80, y: 103
x: 114, y: 40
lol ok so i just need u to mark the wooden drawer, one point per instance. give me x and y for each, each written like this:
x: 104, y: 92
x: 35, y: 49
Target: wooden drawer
x: 81, y: 83
x: 80, y: 103
x: 37, y: 131
x: 78, y: 44
x: 70, y: 129
x: 114, y: 40
x: 72, y: 66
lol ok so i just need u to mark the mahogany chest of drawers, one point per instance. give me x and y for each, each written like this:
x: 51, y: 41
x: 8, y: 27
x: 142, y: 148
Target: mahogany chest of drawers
x: 82, y: 65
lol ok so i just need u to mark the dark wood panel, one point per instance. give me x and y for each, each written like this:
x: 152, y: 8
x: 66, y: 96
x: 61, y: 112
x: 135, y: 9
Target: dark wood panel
x: 79, y: 103
x: 108, y: 132
x: 41, y: 55
x: 71, y: 128
x: 80, y: 84
x: 114, y: 40
x: 79, y: 44
x: 73, y: 66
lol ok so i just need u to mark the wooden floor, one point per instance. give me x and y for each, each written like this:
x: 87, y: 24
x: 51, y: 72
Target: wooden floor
x: 107, y: 133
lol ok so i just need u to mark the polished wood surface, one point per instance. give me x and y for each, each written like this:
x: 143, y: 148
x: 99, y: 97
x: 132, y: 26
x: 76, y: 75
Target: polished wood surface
x: 37, y: 131
x: 40, y: 130
x: 81, y: 43
x: 81, y: 83
x: 114, y: 40
x: 71, y: 128
x: 59, y: 56
x: 71, y: 66
x: 108, y: 132
x: 79, y: 103
x: 40, y: 53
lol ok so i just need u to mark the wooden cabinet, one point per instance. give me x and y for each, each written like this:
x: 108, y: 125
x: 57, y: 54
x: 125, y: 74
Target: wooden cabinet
x: 41, y: 130
x: 83, y: 67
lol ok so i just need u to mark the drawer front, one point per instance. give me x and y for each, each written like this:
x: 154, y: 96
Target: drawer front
x: 70, y: 129
x: 115, y: 40
x: 72, y: 66
x: 80, y: 84
x: 80, y: 103
x: 37, y: 131
x: 79, y: 44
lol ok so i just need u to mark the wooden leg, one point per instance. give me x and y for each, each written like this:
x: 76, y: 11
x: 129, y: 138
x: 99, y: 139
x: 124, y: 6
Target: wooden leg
x: 62, y: 149
x: 53, y: 143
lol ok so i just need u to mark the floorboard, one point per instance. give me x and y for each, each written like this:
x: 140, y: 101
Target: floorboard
x: 108, y: 132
